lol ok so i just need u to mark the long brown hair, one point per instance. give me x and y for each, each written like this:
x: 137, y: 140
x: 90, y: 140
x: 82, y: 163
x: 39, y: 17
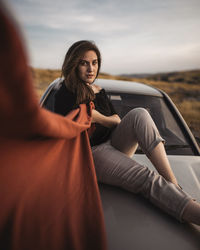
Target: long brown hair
x: 72, y: 59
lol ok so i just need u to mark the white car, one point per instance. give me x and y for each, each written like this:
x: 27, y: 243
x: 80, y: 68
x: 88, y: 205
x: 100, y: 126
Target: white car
x: 131, y: 221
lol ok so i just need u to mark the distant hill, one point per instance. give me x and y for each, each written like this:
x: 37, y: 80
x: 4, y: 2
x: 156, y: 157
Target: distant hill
x: 189, y: 76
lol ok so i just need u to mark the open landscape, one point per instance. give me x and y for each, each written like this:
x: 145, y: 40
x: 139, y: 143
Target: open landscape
x: 183, y: 87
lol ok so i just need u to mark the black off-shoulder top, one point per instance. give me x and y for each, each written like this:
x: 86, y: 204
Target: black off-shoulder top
x: 64, y: 102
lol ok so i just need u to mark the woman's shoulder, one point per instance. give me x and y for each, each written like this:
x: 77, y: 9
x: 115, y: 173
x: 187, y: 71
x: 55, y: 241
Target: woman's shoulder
x: 96, y: 88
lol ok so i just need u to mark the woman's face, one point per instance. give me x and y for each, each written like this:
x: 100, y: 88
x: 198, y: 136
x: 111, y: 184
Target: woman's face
x: 88, y: 67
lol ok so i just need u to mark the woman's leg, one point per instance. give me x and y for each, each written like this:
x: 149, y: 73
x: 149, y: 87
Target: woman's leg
x: 159, y: 159
x: 115, y: 168
x: 137, y: 127
x: 192, y: 212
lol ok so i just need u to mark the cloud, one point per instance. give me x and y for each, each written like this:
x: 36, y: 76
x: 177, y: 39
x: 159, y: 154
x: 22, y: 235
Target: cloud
x: 129, y: 32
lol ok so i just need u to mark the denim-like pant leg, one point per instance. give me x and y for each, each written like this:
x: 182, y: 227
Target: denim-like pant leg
x: 113, y: 167
x: 137, y: 127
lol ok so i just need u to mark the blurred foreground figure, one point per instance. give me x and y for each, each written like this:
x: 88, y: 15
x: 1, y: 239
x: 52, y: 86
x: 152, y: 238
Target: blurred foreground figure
x: 48, y: 190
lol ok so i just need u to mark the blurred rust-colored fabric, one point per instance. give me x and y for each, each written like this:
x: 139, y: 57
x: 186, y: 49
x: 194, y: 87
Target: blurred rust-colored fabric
x: 49, y: 197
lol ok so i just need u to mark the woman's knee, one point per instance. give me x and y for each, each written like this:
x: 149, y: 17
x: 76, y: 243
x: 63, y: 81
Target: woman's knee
x: 138, y: 113
x: 139, y: 117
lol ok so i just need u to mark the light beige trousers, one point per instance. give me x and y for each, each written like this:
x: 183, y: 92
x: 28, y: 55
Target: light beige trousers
x: 116, y: 168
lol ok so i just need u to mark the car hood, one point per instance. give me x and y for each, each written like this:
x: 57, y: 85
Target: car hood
x: 186, y: 170
x: 132, y: 222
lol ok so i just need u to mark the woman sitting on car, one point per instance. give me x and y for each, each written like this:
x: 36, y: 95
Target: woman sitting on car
x: 114, y: 141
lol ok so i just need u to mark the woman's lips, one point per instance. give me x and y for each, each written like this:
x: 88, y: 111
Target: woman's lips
x: 90, y: 76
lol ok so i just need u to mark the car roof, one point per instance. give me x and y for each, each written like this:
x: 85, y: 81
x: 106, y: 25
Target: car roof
x: 119, y: 86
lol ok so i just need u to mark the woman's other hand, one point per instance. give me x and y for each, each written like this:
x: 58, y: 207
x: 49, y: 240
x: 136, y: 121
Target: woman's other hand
x: 106, y: 121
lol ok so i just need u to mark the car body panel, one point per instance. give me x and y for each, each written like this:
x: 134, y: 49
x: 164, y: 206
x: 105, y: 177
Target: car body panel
x: 127, y: 87
x: 131, y: 221
x: 185, y: 168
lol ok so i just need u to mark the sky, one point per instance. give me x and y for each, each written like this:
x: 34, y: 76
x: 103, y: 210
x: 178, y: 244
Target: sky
x: 134, y: 36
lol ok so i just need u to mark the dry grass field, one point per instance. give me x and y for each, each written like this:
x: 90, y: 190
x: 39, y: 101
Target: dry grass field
x: 182, y: 87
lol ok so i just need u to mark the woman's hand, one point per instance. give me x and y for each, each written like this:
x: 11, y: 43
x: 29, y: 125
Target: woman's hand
x: 106, y: 121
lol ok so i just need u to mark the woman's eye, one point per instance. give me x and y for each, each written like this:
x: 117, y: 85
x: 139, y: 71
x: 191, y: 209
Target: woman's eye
x: 95, y: 62
x: 83, y: 63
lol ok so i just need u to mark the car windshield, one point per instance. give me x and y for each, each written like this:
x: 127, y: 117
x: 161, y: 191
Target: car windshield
x: 175, y: 141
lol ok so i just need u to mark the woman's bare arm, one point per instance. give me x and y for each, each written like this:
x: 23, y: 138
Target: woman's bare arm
x: 97, y: 117
x: 106, y: 121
